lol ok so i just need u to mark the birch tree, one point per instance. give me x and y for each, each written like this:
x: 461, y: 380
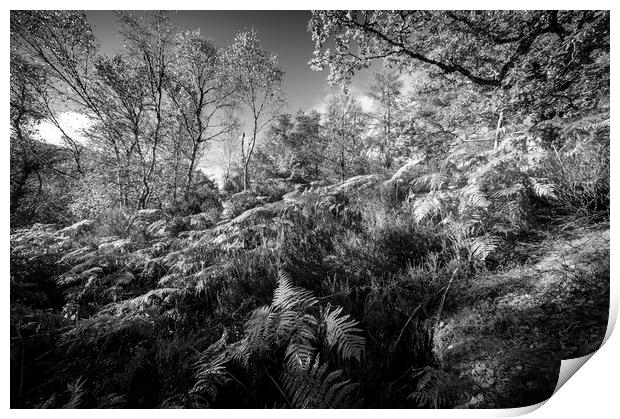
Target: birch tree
x: 258, y: 82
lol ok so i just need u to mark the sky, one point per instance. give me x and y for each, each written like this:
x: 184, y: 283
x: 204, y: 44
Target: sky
x: 282, y: 32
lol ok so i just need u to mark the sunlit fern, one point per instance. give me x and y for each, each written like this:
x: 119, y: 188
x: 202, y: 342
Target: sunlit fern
x: 432, y: 181
x: 312, y: 385
x: 480, y: 247
x: 341, y: 333
x: 428, y: 206
x: 543, y: 190
x: 292, y: 323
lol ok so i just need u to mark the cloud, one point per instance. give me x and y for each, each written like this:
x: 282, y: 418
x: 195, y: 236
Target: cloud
x: 366, y: 102
x: 73, y: 123
x: 211, y: 163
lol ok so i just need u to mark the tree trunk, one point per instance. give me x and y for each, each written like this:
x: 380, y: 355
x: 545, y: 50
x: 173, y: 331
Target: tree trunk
x: 246, y: 176
x: 190, y: 170
x: 499, y: 125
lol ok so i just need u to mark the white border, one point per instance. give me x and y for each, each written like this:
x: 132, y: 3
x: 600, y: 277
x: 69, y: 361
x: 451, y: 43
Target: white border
x: 591, y: 393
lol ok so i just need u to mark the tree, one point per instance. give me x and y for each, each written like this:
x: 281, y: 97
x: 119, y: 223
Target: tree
x: 294, y: 149
x: 274, y: 157
x: 149, y: 39
x: 308, y: 144
x: 386, y: 90
x: 535, y: 58
x: 230, y: 157
x: 201, y: 94
x: 63, y: 46
x: 344, y: 126
x: 258, y: 79
x: 123, y: 102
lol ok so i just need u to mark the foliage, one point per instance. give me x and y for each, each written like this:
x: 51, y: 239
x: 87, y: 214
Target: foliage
x: 534, y: 55
x: 288, y: 323
x: 335, y: 279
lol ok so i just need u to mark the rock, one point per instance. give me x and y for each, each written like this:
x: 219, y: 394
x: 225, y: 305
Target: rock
x: 77, y: 229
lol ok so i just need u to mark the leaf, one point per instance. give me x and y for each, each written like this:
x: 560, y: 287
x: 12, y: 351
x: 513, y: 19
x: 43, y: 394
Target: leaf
x: 342, y: 334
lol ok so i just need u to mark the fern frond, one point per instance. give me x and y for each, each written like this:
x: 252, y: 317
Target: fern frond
x: 426, y: 207
x: 509, y: 192
x: 299, y: 354
x: 543, y: 190
x: 480, y: 247
x: 341, y: 333
x: 76, y: 394
x: 472, y: 196
x: 260, y: 332
x: 434, y: 181
x: 435, y: 389
x: 287, y: 296
x: 312, y: 386
x: 211, y: 371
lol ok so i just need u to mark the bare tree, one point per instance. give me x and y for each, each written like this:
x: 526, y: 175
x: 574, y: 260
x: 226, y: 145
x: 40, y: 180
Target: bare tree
x: 149, y: 39
x: 201, y: 94
x: 258, y: 80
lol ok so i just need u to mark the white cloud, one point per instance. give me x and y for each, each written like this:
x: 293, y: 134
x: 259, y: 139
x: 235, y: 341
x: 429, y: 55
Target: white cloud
x: 366, y: 102
x: 73, y: 123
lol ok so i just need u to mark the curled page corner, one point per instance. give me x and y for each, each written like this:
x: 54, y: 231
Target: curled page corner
x: 568, y: 368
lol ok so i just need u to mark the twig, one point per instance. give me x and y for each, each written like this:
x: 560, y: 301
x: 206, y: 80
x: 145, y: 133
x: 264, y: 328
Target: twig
x: 443, y: 297
x: 279, y: 388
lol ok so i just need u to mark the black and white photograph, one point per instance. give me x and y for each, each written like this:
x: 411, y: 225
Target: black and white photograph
x: 305, y: 209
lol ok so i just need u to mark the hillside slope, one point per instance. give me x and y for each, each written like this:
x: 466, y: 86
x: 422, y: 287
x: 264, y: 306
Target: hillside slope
x: 153, y: 298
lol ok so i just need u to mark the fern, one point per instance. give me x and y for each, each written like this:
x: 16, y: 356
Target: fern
x: 480, y: 247
x: 509, y: 192
x: 286, y: 296
x: 76, y: 394
x: 434, y: 181
x: 211, y: 371
x: 472, y: 196
x: 543, y: 190
x: 313, y: 386
x: 436, y: 389
x: 427, y: 207
x: 341, y: 334
x: 289, y: 326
